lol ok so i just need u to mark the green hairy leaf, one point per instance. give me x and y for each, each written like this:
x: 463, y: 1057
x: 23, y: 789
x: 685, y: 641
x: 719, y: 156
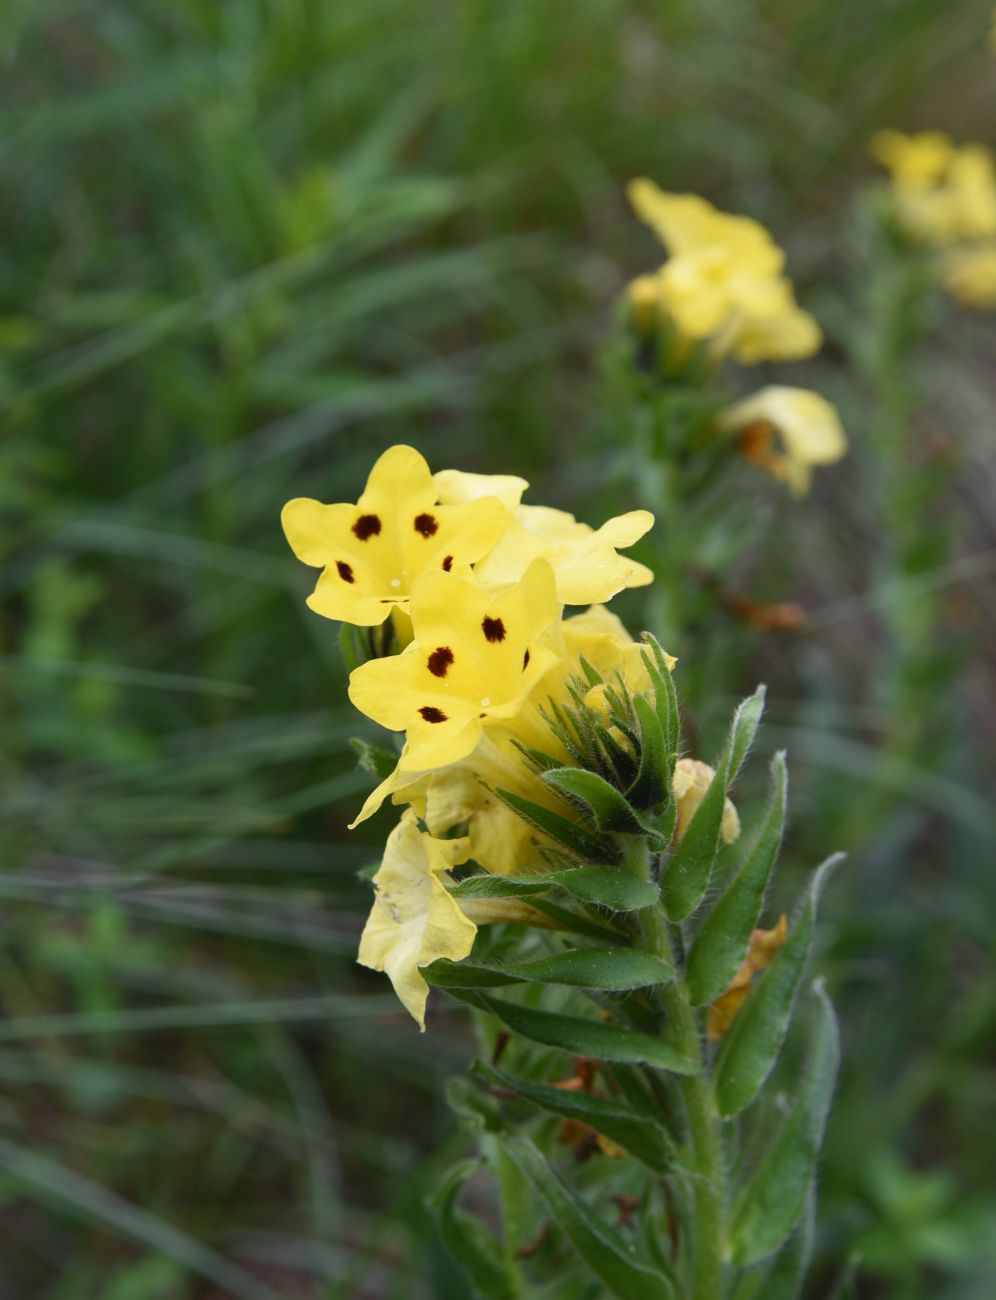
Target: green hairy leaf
x: 591, y: 968
x: 690, y: 867
x: 645, y: 1140
x: 782, y: 1277
x: 665, y: 698
x: 582, y: 843
x: 652, y: 783
x: 609, y: 887
x: 605, y: 1251
x: 379, y: 762
x: 474, y: 1248
x: 609, y: 808
x: 354, y: 645
x: 751, y: 1047
x: 723, y: 941
x: 769, y: 1206
x: 595, y: 1038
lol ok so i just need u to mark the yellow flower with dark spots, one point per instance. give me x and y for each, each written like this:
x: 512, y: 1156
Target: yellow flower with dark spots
x: 371, y: 553
x: 473, y: 659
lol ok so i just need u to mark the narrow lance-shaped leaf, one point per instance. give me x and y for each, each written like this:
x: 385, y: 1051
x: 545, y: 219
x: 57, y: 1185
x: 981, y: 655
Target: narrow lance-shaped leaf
x: 474, y: 1248
x: 612, y: 969
x: 751, y: 1047
x: 652, y: 783
x: 582, y: 843
x: 595, y: 1038
x: 723, y: 941
x: 607, y: 1254
x: 665, y: 697
x: 782, y: 1277
x: 644, y: 1139
x: 687, y: 875
x: 608, y: 807
x: 769, y: 1206
x: 609, y: 887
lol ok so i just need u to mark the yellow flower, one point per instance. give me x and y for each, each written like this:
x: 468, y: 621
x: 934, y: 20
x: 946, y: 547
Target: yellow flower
x: 692, y: 779
x: 473, y: 659
x: 914, y: 160
x: 371, y: 553
x: 942, y: 193
x: 723, y: 280
x: 584, y: 560
x: 764, y: 947
x: 969, y: 274
x: 414, y: 919
x: 786, y: 431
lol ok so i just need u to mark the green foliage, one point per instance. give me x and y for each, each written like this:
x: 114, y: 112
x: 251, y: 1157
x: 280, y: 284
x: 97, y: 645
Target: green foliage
x: 246, y: 246
x: 722, y: 943
x: 750, y: 1049
x: 603, y: 1250
x: 690, y: 867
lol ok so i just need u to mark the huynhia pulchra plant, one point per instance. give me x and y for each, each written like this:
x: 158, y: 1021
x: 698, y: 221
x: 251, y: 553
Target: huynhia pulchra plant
x: 559, y: 866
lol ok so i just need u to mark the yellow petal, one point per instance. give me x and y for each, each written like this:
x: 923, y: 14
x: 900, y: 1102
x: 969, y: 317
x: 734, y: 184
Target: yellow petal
x: 414, y: 919
x: 588, y: 570
x: 454, y: 487
x: 373, y: 552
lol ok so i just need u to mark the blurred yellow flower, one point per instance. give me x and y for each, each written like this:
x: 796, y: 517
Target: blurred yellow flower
x: 942, y: 193
x: 969, y: 274
x: 692, y: 778
x: 787, y: 432
x: 722, y: 282
x: 414, y: 919
x: 764, y: 947
x: 473, y: 659
x: 372, y: 552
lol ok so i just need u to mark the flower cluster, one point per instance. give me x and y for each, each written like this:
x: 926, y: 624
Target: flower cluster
x: 722, y: 292
x: 943, y: 196
x: 490, y: 684
x: 723, y: 281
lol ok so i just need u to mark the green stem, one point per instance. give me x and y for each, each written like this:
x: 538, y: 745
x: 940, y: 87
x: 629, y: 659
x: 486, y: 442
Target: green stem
x: 709, y: 1170
x: 512, y: 1197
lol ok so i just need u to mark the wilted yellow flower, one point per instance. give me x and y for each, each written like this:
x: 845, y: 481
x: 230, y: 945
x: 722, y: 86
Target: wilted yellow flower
x: 787, y: 432
x: 969, y: 274
x: 764, y: 947
x: 414, y: 919
x: 942, y: 193
x: 372, y: 552
x: 723, y: 280
x: 692, y: 778
x: 474, y: 658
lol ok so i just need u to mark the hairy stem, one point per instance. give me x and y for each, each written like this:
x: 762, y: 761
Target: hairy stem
x: 709, y: 1191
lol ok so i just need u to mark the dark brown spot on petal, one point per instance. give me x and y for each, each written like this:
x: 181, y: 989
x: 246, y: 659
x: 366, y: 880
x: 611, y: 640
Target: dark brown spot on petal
x: 426, y: 525
x: 448, y: 563
x: 345, y: 572
x: 432, y: 714
x: 367, y: 526
x: 493, y: 628
x: 440, y: 660
x: 525, y: 661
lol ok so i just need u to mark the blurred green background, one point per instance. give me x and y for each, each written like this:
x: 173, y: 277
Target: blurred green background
x: 246, y: 246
